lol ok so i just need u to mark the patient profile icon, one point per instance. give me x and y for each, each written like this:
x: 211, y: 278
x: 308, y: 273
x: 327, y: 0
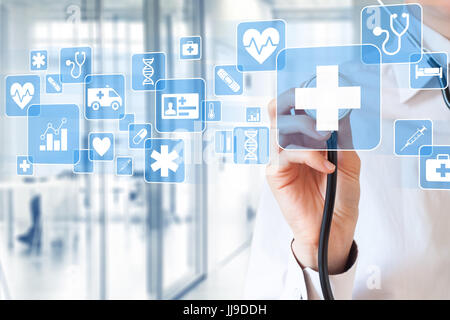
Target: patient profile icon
x: 170, y: 111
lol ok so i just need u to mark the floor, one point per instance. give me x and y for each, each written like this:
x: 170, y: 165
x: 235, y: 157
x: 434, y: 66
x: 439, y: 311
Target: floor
x: 226, y: 282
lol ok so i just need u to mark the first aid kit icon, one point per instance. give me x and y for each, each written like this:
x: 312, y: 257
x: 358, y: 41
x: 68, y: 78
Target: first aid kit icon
x: 438, y: 169
x: 434, y: 167
x: 190, y: 48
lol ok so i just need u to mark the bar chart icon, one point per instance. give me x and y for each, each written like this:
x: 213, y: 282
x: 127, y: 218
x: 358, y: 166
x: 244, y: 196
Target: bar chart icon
x: 54, y: 134
x: 54, y: 139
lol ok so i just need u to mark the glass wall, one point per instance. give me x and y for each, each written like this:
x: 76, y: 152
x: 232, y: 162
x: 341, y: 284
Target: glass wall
x: 103, y: 236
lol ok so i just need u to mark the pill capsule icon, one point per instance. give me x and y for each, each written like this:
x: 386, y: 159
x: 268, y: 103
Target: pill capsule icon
x: 140, y: 136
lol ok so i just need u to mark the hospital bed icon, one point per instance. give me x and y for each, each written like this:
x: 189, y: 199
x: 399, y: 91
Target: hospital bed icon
x: 428, y: 72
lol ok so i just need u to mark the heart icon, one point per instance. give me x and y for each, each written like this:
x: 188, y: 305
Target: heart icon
x: 101, y: 146
x: 22, y: 94
x: 261, y: 45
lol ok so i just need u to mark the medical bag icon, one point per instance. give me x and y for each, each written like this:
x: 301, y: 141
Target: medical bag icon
x: 434, y: 167
x: 190, y: 48
x: 438, y: 169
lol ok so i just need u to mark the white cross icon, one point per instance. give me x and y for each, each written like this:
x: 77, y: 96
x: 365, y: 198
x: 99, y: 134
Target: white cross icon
x: 327, y: 98
x: 24, y: 166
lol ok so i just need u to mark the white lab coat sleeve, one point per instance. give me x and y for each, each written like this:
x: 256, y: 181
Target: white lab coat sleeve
x: 341, y: 284
x: 273, y: 271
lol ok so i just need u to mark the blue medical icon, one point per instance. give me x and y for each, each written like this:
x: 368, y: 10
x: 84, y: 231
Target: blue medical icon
x: 328, y: 89
x: 104, y: 96
x: 394, y: 29
x: 190, y: 48
x: 53, y: 133
x: 228, y: 81
x: 258, y: 43
x: 21, y: 92
x: 253, y: 114
x: 147, y: 69
x: 24, y: 167
x: 101, y: 146
x: 224, y: 141
x: 38, y: 60
x: 53, y: 83
x: 213, y: 110
x: 124, y: 166
x: 251, y: 145
x: 125, y: 121
x: 84, y: 165
x: 75, y: 64
x: 410, y: 135
x: 179, y: 105
x: 164, y: 160
x: 138, y: 133
x: 435, y: 167
x: 431, y: 72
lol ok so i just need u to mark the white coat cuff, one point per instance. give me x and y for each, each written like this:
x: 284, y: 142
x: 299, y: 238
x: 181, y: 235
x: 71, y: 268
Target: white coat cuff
x: 341, y: 284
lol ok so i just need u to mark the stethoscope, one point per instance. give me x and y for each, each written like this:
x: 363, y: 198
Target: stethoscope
x: 377, y: 31
x: 76, y: 63
x: 330, y: 196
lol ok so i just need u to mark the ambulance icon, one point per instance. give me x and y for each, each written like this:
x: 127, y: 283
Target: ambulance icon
x: 103, y: 97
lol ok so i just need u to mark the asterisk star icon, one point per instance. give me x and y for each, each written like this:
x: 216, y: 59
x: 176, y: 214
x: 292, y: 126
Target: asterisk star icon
x: 164, y: 160
x: 39, y: 60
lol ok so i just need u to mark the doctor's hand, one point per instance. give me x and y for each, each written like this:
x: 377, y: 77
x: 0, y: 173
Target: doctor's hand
x: 298, y: 181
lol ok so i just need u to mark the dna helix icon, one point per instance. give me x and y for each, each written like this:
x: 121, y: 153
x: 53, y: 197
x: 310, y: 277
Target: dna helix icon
x: 148, y: 71
x: 251, y: 145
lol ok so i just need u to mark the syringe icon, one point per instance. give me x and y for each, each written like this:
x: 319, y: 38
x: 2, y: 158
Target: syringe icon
x: 414, y: 137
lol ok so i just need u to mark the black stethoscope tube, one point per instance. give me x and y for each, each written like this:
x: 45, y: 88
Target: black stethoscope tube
x: 327, y: 218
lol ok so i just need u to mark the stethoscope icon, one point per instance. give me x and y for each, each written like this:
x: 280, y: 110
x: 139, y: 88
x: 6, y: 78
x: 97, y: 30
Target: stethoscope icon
x: 76, y: 64
x: 377, y: 31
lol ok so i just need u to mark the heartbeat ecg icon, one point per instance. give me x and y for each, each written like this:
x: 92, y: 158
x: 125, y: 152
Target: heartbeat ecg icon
x: 22, y: 94
x: 148, y: 71
x: 261, y: 45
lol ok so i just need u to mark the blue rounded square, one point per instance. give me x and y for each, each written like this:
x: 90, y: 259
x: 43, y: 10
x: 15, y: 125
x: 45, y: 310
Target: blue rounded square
x: 258, y: 43
x: 38, y: 60
x: 53, y: 83
x: 251, y: 145
x: 430, y: 72
x: 104, y: 96
x: 325, y: 89
x: 191, y: 48
x: 179, y: 105
x: 213, y: 110
x: 138, y: 133
x: 410, y: 135
x: 24, y: 166
x: 75, y: 64
x: 22, y: 91
x: 435, y: 167
x: 53, y: 133
x: 395, y: 29
x: 84, y: 165
x: 124, y: 166
x: 228, y: 80
x: 164, y: 160
x: 147, y: 69
x: 101, y: 146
